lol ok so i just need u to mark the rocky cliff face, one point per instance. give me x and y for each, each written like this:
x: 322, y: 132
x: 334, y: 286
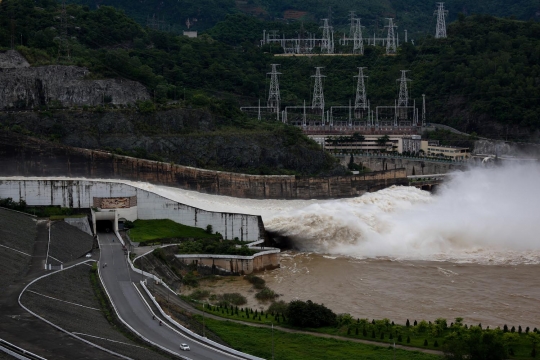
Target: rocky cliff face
x: 189, y: 137
x: 12, y: 59
x: 26, y: 87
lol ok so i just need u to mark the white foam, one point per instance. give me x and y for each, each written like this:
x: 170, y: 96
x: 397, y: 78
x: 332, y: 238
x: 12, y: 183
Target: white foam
x: 489, y: 216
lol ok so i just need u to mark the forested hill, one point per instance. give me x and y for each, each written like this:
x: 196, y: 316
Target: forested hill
x: 485, y: 77
x: 414, y: 15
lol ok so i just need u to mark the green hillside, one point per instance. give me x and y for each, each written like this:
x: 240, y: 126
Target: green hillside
x: 483, y: 78
x: 414, y: 15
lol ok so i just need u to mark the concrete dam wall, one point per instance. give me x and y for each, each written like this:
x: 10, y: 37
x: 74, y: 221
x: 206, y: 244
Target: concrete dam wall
x: 82, y: 194
x: 24, y: 156
x: 412, y: 167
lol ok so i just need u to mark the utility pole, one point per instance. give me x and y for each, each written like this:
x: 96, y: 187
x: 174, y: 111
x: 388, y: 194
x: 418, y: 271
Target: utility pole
x: 272, y: 341
x: 274, y: 97
x: 423, y: 110
x: 358, y: 47
x: 391, y: 38
x: 12, y: 38
x: 203, y: 334
x: 318, y: 94
x: 440, y: 32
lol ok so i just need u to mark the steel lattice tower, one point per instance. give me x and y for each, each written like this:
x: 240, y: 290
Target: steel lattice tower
x: 318, y: 94
x: 358, y: 47
x: 403, y: 99
x: 327, y: 38
x: 352, y: 18
x: 361, y: 96
x: 440, y: 32
x: 274, y: 97
x: 391, y: 38
x: 64, y: 42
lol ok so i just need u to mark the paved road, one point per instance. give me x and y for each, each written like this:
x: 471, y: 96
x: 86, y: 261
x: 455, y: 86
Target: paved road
x: 118, y: 280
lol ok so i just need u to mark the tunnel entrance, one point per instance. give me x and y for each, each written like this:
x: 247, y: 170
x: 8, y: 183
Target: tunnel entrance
x: 104, y: 226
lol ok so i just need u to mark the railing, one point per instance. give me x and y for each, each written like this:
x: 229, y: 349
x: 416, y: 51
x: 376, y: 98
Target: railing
x: 405, y: 157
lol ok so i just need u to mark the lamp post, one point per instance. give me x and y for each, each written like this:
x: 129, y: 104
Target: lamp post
x: 272, y: 341
x: 203, y: 320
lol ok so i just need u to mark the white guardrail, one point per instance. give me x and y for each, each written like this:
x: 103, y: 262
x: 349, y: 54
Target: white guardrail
x: 122, y: 320
x: 17, y: 352
x: 195, y: 335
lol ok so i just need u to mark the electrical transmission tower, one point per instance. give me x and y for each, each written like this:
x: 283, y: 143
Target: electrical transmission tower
x: 63, y: 49
x: 440, y: 32
x: 361, y: 97
x: 318, y: 94
x: 274, y: 98
x: 391, y: 47
x: 403, y: 99
x: 327, y: 44
x: 352, y: 19
x: 358, y: 47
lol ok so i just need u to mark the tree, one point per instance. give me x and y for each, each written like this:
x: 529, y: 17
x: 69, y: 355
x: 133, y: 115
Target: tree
x: 475, y: 344
x: 310, y: 314
x: 381, y: 142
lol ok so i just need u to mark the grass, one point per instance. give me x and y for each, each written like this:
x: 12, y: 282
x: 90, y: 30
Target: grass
x: 148, y: 230
x: 287, y: 346
x: 522, y: 347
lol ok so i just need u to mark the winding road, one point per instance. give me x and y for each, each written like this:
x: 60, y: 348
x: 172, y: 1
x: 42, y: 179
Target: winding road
x: 118, y: 280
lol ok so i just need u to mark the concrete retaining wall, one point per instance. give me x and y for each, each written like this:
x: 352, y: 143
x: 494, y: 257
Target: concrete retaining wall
x: 23, y: 156
x: 411, y: 167
x: 265, y: 260
x: 80, y: 194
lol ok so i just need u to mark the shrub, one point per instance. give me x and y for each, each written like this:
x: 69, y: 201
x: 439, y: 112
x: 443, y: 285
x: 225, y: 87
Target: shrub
x: 200, y: 294
x: 436, y: 344
x: 258, y: 283
x: 190, y: 280
x: 408, y: 339
x: 209, y: 229
x: 233, y: 298
x: 266, y: 294
x: 425, y: 342
x: 129, y: 224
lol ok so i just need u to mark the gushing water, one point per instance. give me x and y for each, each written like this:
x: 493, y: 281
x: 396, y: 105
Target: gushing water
x: 482, y: 215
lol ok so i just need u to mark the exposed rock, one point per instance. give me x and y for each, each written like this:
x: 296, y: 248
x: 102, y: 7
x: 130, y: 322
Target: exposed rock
x: 26, y: 87
x: 183, y: 136
x: 12, y: 59
x: 30, y: 87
